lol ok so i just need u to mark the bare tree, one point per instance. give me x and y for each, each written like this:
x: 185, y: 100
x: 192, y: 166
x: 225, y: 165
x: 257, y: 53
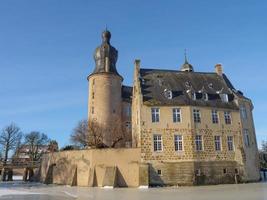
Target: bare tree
x: 91, y: 134
x: 53, y: 146
x: 34, y: 141
x: 80, y: 134
x: 10, y: 137
x: 263, y: 155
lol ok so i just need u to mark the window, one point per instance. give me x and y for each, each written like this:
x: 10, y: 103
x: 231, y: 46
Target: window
x: 194, y: 96
x: 224, y: 97
x: 227, y: 117
x: 127, y: 110
x: 217, y: 141
x: 159, y: 172
x: 214, y: 116
x: 157, y: 142
x: 206, y: 96
x: 243, y: 112
x: 92, y: 110
x: 176, y: 114
x: 246, y: 138
x: 178, y: 142
x: 230, y: 143
x: 198, y: 172
x: 224, y: 170
x: 168, y: 94
x: 198, y: 142
x: 128, y: 125
x: 155, y: 114
x: 93, y: 95
x: 196, y: 114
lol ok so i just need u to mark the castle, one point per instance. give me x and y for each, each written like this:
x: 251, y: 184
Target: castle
x: 173, y: 127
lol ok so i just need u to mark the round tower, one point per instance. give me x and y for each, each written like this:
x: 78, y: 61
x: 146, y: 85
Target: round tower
x: 105, y: 101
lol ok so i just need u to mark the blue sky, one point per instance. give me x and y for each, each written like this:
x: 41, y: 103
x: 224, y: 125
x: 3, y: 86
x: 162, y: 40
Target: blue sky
x: 46, y: 50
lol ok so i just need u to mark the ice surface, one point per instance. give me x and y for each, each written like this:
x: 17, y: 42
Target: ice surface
x: 20, y: 191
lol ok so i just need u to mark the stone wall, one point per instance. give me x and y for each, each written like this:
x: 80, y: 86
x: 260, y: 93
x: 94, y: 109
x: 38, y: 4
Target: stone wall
x: 194, y: 173
x: 188, y: 129
x: 103, y: 167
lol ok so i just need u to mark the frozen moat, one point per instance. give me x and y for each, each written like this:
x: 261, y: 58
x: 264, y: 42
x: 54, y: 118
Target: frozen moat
x: 19, y: 190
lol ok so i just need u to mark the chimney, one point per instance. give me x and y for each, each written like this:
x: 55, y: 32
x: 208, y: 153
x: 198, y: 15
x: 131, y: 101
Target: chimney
x: 219, y: 69
x: 137, y: 63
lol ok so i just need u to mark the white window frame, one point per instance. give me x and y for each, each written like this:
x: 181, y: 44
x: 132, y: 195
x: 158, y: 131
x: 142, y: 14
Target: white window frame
x: 176, y: 115
x: 178, y: 142
x: 230, y: 142
x: 155, y: 115
x: 205, y: 96
x: 213, y: 114
x: 227, y: 117
x: 224, y: 98
x: 168, y: 94
x: 194, y: 96
x: 199, y: 141
x: 157, y: 143
x: 218, y: 143
x: 196, y: 115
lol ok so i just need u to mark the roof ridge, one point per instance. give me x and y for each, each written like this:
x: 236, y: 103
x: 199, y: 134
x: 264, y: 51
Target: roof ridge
x: 170, y: 70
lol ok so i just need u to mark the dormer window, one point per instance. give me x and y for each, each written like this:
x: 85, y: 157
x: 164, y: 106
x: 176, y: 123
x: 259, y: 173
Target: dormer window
x: 168, y: 94
x: 224, y: 97
x: 205, y: 96
x: 194, y: 96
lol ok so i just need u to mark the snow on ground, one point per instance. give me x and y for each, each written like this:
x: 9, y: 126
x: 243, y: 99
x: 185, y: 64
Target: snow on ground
x: 37, y: 191
x: 7, y: 191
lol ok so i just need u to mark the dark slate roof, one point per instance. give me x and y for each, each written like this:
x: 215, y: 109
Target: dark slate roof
x: 126, y: 93
x: 155, y: 81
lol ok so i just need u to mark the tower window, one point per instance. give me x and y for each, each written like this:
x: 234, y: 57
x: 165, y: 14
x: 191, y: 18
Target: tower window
x: 243, y: 112
x: 92, y: 110
x: 93, y: 95
x: 224, y: 170
x: 246, y: 138
x: 159, y: 172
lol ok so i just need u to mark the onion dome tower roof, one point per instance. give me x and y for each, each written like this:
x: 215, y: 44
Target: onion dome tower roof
x: 105, y: 56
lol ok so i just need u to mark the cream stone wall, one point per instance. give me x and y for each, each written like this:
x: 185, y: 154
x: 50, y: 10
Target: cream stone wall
x: 240, y: 164
x: 89, y: 167
x: 250, y: 158
x: 188, y: 129
x: 136, y: 107
x: 127, y: 123
x: 105, y: 104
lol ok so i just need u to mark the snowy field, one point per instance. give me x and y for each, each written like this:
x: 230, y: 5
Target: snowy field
x: 19, y: 190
